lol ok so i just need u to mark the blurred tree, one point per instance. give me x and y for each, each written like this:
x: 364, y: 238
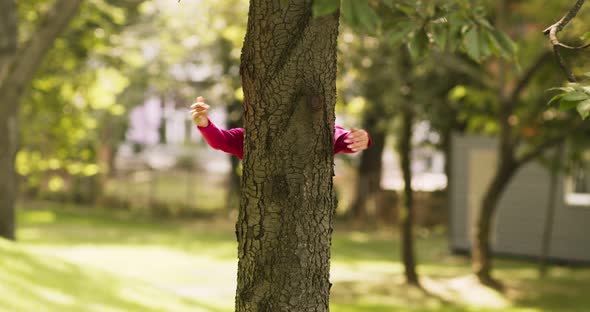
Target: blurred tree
x: 404, y: 148
x: 73, y: 112
x: 420, y: 28
x: 19, y: 60
x: 367, y: 67
x: 513, y: 108
x: 285, y: 223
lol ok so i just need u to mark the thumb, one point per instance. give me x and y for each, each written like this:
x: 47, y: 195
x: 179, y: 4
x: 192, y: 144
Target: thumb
x: 200, y: 99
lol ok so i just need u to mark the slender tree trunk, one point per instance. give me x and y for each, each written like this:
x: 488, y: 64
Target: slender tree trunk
x: 407, y: 208
x: 550, y: 214
x: 368, y: 183
x: 286, y: 215
x: 233, y: 193
x: 481, y: 254
x: 404, y: 149
x: 8, y: 118
x: 8, y: 148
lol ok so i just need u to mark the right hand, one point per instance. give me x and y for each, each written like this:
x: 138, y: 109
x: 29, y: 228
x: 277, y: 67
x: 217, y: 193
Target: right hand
x: 199, y: 111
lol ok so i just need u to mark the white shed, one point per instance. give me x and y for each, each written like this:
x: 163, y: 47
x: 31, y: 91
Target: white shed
x: 521, y: 215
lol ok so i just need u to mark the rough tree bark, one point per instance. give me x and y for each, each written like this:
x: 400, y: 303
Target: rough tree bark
x: 17, y: 68
x: 285, y: 221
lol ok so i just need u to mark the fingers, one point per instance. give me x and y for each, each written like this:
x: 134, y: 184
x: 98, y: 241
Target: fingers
x: 197, y: 115
x: 199, y: 106
x: 199, y: 109
x: 358, y: 146
x: 356, y: 135
x: 357, y: 140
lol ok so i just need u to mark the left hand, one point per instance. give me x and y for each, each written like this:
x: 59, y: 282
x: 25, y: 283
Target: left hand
x: 357, y: 140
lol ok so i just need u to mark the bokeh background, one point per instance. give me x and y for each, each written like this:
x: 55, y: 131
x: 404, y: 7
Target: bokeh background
x: 122, y: 206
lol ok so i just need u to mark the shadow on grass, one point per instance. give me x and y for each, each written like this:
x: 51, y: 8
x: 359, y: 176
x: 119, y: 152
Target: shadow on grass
x: 554, y: 293
x: 363, y: 256
x: 37, y: 282
x: 463, y: 293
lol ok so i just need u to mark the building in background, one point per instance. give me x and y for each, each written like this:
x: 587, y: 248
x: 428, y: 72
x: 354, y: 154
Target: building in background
x: 521, y: 215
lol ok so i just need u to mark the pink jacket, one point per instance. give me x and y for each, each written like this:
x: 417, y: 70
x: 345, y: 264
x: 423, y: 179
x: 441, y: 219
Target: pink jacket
x: 232, y: 141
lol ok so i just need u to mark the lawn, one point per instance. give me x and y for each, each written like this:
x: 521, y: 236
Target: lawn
x: 85, y: 259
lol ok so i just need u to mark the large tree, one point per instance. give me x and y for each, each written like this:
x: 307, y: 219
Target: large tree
x: 18, y: 64
x: 285, y: 222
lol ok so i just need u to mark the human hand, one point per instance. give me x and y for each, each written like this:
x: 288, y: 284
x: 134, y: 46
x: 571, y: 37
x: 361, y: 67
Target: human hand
x: 357, y: 140
x: 199, y: 111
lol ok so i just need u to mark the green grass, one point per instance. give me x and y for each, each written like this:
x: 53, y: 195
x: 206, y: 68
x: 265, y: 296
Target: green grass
x: 72, y: 259
x: 31, y: 281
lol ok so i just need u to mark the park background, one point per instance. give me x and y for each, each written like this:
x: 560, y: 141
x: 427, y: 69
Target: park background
x: 122, y: 206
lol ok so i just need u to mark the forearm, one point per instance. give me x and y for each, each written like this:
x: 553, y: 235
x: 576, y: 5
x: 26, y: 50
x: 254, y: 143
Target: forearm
x: 229, y: 141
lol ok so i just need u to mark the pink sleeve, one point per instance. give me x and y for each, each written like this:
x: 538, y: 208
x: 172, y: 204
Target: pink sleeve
x: 340, y: 134
x: 230, y: 141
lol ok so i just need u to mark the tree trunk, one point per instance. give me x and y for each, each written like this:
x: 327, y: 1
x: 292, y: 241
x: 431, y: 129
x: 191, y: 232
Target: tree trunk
x: 15, y: 75
x: 286, y: 215
x: 8, y: 148
x: 368, y: 183
x: 404, y: 150
x: 8, y: 118
x: 407, y: 208
x: 233, y: 193
x: 481, y: 256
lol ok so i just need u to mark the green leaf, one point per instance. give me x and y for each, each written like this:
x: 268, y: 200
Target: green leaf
x: 367, y: 17
x: 440, y: 36
x: 482, y: 21
x: 587, y: 74
x: 507, y: 46
x: 576, y: 96
x: 492, y: 43
x: 555, y: 98
x: 419, y: 44
x: 408, y: 10
x: 390, y: 4
x: 484, y: 46
x: 472, y: 44
x: 400, y: 32
x: 567, y: 105
x: 584, y: 108
x: 348, y: 12
x: 360, y: 15
x: 585, y: 36
x: 563, y: 89
x: 324, y: 7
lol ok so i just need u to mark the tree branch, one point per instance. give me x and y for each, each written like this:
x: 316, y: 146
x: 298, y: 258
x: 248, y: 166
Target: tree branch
x: 528, y: 75
x: 8, y: 36
x: 557, y: 27
x: 565, y: 19
x: 458, y: 65
x: 582, y: 47
x: 34, y: 50
x: 541, y: 148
